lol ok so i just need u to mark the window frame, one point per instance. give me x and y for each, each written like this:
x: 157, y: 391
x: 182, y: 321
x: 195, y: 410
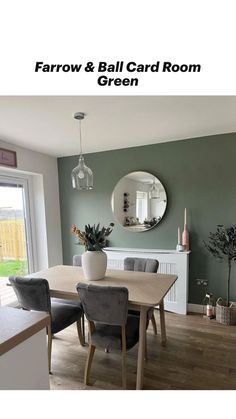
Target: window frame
x: 24, y: 181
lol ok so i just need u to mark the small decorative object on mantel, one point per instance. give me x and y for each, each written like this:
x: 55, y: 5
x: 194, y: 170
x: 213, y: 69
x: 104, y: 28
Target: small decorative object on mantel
x: 185, y: 235
x: 7, y: 158
x: 222, y: 245
x: 94, y: 239
x: 179, y: 247
x: 208, y: 306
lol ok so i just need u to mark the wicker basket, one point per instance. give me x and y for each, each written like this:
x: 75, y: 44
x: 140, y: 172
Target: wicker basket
x: 225, y: 315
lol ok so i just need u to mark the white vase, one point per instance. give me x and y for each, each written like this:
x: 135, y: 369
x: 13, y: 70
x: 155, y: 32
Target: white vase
x: 94, y: 264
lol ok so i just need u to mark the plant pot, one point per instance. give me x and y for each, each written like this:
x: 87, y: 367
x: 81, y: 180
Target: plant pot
x: 225, y: 315
x: 94, y: 264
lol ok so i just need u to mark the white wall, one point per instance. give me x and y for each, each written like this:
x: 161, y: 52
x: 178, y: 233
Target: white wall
x: 45, y: 190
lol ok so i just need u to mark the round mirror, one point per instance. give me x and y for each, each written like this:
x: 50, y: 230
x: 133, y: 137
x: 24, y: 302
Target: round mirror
x: 139, y: 201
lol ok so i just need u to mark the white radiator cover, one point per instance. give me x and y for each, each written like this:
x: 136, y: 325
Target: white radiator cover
x: 170, y: 262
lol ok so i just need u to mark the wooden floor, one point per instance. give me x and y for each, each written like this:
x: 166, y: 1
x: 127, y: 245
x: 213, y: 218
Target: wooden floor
x: 200, y: 354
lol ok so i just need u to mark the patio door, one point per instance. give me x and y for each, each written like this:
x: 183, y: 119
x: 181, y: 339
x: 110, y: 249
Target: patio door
x: 15, y: 233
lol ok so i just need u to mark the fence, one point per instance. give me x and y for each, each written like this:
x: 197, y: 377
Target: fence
x: 12, y: 240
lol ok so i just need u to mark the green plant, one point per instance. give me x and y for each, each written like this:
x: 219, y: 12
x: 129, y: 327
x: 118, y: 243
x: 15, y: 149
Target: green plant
x: 222, y: 244
x: 93, y: 238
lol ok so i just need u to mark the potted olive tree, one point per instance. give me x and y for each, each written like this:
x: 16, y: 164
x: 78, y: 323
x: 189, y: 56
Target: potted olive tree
x: 222, y: 245
x: 94, y: 259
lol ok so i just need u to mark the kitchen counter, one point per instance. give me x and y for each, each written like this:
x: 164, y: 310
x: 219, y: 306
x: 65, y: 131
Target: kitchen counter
x: 23, y: 350
x: 18, y: 325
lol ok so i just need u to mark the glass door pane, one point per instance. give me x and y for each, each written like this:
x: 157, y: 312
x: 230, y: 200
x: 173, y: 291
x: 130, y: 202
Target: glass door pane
x: 13, y: 237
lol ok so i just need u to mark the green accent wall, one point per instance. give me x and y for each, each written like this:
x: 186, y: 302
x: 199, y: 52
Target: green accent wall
x: 199, y: 174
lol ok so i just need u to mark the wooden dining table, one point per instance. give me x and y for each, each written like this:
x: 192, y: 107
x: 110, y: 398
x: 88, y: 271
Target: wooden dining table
x: 145, y: 290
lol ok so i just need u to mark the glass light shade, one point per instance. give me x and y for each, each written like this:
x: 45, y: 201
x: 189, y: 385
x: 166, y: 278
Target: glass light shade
x: 154, y: 191
x: 82, y: 176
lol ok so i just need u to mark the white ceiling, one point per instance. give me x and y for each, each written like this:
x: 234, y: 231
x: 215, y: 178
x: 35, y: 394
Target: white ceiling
x: 144, y: 177
x: 46, y: 123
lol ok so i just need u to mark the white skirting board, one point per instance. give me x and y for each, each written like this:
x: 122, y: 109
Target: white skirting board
x: 195, y: 308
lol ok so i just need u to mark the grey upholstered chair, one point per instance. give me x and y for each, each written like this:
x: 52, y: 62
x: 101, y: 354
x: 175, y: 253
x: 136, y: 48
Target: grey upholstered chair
x: 110, y: 326
x: 143, y: 265
x: 77, y: 260
x: 34, y: 294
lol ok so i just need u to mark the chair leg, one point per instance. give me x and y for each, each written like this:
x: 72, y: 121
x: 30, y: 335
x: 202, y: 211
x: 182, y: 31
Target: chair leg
x: 80, y: 333
x: 146, y: 355
x: 123, y: 357
x: 154, y: 325
x: 90, y: 355
x: 49, y: 330
x: 83, y: 326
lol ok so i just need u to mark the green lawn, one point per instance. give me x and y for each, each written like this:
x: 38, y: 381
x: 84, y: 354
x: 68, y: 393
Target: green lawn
x: 13, y: 267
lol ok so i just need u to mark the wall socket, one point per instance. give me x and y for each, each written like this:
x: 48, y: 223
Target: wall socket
x: 202, y: 282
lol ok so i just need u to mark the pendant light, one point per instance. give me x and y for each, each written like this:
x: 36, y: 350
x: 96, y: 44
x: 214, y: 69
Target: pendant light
x: 81, y: 175
x: 154, y: 192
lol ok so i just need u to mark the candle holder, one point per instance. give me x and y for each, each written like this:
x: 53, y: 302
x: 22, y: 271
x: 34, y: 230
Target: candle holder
x: 180, y: 248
